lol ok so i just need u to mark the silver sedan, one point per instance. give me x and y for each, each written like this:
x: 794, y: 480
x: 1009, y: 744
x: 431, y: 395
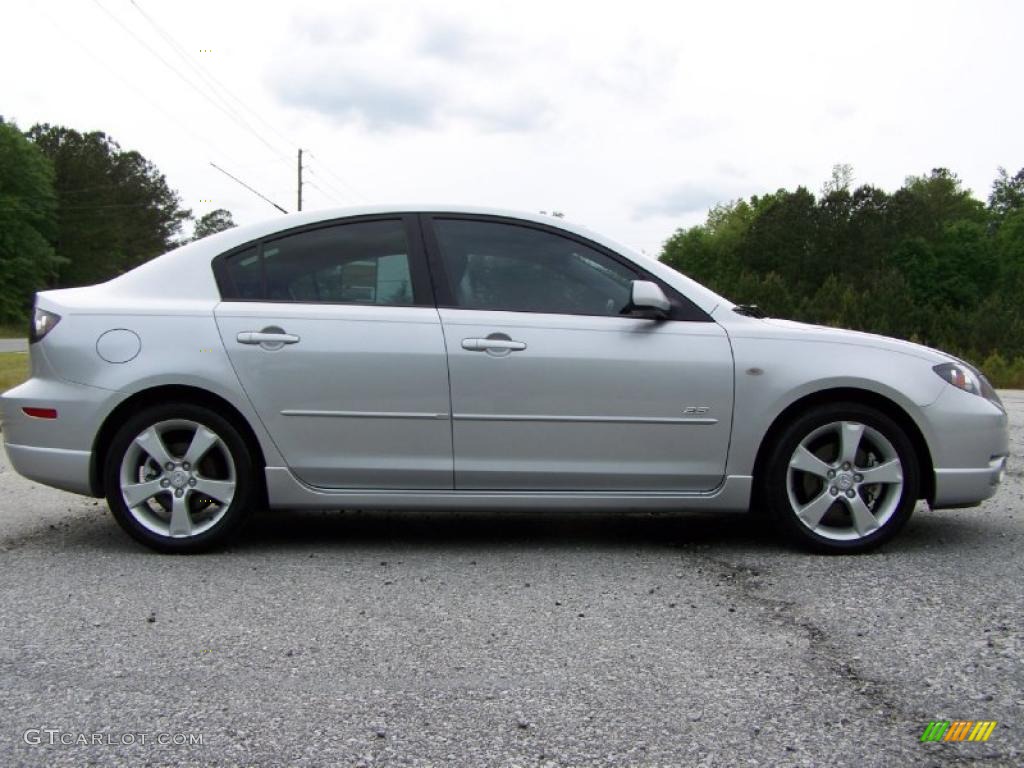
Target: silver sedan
x: 472, y: 358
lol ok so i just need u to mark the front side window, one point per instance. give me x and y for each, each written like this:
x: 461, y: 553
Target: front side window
x: 498, y: 266
x: 362, y: 262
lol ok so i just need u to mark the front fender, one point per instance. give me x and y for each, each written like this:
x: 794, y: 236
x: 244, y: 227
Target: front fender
x: 773, y: 374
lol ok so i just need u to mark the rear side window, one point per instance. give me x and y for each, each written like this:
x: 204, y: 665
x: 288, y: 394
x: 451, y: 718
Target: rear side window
x: 360, y: 263
x: 246, y: 274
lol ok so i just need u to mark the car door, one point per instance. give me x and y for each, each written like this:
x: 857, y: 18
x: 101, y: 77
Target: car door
x: 552, y: 388
x: 335, y: 338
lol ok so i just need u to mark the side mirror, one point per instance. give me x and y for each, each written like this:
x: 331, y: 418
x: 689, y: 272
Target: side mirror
x: 648, y: 299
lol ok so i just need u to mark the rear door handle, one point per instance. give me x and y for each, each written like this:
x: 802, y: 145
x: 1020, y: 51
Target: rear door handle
x: 498, y: 345
x: 264, y: 337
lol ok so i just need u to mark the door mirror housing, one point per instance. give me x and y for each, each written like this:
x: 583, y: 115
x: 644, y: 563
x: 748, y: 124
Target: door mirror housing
x: 648, y: 300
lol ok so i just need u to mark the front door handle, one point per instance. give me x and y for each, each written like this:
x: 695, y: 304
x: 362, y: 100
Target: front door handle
x: 274, y: 338
x: 493, y: 345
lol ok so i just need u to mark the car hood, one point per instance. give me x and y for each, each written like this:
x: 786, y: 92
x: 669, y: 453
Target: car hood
x: 765, y: 328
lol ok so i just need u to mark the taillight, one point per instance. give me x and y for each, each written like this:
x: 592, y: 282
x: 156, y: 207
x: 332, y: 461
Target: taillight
x: 42, y: 323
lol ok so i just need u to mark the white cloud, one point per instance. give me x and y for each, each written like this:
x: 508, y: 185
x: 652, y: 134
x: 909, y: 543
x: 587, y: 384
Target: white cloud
x: 394, y: 67
x: 633, y: 118
x: 689, y: 197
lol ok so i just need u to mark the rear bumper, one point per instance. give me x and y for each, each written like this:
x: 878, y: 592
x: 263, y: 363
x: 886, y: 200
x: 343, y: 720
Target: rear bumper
x: 57, y: 467
x: 56, y: 452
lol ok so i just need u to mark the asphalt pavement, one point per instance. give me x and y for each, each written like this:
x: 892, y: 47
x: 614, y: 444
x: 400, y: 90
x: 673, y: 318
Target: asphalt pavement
x: 13, y: 345
x: 397, y: 639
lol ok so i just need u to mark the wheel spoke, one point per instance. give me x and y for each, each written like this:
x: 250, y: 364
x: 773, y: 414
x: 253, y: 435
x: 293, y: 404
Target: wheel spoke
x: 220, y: 491
x: 863, y: 520
x: 151, y: 442
x: 136, y: 493
x: 850, y: 433
x: 202, y: 441
x: 806, y: 461
x: 181, y: 523
x: 812, y: 512
x: 889, y: 472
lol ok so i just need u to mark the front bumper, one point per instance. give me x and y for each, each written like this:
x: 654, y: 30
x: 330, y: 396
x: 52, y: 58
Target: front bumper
x: 967, y: 487
x: 969, y: 441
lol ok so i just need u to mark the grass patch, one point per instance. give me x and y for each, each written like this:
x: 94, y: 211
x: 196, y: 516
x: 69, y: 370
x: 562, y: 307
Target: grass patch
x: 13, y: 331
x: 13, y: 369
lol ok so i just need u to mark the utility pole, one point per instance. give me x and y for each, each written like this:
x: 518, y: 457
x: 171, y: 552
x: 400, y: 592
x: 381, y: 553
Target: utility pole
x: 300, y: 180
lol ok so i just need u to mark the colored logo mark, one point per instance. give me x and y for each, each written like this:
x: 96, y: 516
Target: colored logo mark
x: 958, y: 730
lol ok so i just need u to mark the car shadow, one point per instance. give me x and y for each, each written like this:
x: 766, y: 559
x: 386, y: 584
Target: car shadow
x: 432, y: 530
x: 288, y: 531
x: 736, y: 532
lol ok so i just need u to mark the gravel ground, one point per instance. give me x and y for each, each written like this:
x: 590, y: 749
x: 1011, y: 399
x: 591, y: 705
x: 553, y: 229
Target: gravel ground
x: 343, y: 639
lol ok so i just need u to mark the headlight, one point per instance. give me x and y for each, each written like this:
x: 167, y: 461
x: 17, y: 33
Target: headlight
x: 968, y: 379
x: 42, y: 323
x: 960, y: 376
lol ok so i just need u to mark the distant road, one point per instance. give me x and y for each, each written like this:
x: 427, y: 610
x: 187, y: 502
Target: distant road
x: 13, y: 345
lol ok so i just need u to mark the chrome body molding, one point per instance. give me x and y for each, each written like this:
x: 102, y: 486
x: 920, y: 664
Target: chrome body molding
x: 365, y: 414
x: 582, y: 419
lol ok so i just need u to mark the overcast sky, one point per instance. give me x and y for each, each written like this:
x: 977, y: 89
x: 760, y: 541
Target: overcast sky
x: 631, y: 117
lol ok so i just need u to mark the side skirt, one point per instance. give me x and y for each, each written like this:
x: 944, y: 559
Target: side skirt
x: 285, y: 491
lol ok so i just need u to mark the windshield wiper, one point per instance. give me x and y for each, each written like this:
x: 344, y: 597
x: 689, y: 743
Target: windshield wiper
x: 750, y: 310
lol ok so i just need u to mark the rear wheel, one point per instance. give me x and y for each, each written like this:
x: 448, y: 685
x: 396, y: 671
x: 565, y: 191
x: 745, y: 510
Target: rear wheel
x: 179, y: 477
x: 842, y: 477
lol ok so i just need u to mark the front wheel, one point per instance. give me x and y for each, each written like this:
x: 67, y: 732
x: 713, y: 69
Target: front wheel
x: 842, y: 477
x: 178, y: 477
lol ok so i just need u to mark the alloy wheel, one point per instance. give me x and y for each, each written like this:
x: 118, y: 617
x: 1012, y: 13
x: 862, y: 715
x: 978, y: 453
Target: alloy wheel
x: 845, y: 481
x: 178, y: 478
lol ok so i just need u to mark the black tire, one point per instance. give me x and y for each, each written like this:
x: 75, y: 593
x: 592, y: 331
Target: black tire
x: 894, y: 504
x: 222, y: 519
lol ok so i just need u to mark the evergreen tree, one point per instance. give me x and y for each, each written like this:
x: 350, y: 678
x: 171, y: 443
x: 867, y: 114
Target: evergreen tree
x: 28, y: 223
x: 115, y: 208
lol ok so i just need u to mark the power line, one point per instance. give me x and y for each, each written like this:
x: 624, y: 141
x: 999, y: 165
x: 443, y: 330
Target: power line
x: 334, y: 191
x: 255, y: 192
x: 358, y: 195
x: 219, y: 91
x: 325, y: 193
x: 215, y: 84
x: 209, y: 78
x: 113, y: 70
x: 232, y: 114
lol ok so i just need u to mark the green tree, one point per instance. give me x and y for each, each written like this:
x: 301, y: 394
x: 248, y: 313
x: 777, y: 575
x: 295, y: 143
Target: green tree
x: 115, y: 208
x: 782, y: 238
x: 213, y: 222
x: 28, y: 207
x: 1007, y: 194
x: 925, y: 204
x: 928, y: 262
